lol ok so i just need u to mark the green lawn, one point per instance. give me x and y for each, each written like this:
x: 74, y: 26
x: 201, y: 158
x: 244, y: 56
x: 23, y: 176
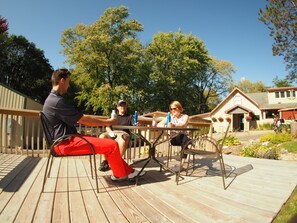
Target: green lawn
x: 290, y: 146
x: 289, y: 210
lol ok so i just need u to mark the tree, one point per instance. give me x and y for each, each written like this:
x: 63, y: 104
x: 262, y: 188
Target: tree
x: 180, y: 69
x: 281, y: 18
x: 104, y: 57
x: 3, y: 25
x: 281, y: 83
x: 212, y: 84
x: 3, y: 41
x: 249, y: 87
x: 24, y: 68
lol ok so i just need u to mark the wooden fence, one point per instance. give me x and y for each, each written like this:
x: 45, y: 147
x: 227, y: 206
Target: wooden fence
x: 21, y: 133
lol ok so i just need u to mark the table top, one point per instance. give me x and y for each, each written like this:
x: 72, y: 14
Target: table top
x: 176, y: 128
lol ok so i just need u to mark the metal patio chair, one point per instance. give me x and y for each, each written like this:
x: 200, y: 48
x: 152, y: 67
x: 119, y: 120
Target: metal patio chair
x: 205, y: 147
x: 52, y: 144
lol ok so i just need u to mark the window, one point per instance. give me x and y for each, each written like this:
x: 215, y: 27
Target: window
x: 271, y: 113
x: 288, y: 94
x: 291, y: 94
x: 285, y: 94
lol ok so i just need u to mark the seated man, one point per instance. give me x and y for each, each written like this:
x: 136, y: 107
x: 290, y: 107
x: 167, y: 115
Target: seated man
x: 62, y: 118
x: 122, y: 136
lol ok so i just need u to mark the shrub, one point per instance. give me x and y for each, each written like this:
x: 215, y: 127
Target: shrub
x: 258, y: 150
x: 276, y: 138
x: 265, y: 126
x: 230, y: 141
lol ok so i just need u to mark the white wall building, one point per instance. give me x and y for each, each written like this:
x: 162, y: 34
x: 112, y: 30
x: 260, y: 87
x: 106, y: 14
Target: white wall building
x: 246, y: 111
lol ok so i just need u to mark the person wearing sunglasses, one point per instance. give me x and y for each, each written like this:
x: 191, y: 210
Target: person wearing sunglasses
x: 178, y: 119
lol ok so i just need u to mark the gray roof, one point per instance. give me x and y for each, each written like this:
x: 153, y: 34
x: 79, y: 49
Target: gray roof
x: 261, y: 99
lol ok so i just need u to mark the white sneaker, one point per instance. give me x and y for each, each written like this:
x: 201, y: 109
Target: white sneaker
x: 135, y: 173
x: 114, y: 178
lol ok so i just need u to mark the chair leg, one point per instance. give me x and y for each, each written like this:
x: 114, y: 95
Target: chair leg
x: 223, y: 164
x: 180, y: 169
x: 223, y: 170
x: 128, y: 153
x: 90, y: 157
x: 45, y: 174
x: 188, y: 165
x: 96, y: 175
x: 50, y: 166
x: 177, y: 176
x: 169, y: 154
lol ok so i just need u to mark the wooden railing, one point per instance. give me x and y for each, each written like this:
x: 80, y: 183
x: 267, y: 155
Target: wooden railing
x: 21, y: 133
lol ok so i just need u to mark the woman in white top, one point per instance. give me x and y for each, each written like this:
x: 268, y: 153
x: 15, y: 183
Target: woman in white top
x: 177, y: 119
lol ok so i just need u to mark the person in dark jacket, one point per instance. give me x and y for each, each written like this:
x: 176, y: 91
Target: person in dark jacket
x: 62, y: 118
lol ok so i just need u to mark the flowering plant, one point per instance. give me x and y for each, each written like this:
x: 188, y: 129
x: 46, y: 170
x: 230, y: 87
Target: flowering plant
x: 214, y: 119
x: 248, y: 118
x: 228, y: 119
x: 220, y: 119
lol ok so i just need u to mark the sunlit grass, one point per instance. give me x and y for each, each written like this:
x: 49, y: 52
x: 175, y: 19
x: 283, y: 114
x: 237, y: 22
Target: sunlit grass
x: 290, y: 146
x: 289, y: 210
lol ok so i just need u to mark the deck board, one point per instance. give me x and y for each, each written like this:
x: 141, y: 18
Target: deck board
x: 257, y: 189
x: 61, y: 208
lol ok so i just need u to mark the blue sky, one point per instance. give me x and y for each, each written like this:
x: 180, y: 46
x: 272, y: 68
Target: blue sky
x: 230, y: 29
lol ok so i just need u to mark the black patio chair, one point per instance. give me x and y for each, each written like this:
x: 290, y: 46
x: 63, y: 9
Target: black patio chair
x: 207, y: 147
x: 52, y: 144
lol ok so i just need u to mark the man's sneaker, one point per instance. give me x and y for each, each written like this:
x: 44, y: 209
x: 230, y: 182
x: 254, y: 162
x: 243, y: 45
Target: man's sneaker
x: 130, y: 177
x: 114, y: 178
x: 104, y: 166
x: 135, y: 173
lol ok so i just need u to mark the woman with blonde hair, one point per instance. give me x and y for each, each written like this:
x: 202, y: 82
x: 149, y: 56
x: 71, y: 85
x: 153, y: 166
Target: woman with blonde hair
x: 178, y: 119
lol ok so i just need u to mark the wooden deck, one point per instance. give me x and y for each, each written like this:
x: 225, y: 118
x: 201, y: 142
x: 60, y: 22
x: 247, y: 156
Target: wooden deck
x: 257, y: 189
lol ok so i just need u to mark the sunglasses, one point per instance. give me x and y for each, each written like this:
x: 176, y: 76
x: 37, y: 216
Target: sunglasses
x: 173, y: 109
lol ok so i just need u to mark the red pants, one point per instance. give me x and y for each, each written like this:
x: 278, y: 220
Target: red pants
x: 108, y: 147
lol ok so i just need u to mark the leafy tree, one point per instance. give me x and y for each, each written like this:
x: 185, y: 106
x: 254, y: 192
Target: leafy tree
x: 180, y: 69
x: 213, y: 84
x: 281, y: 83
x: 281, y: 18
x: 104, y: 57
x: 174, y: 60
x: 249, y: 87
x: 24, y: 67
x: 109, y: 63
